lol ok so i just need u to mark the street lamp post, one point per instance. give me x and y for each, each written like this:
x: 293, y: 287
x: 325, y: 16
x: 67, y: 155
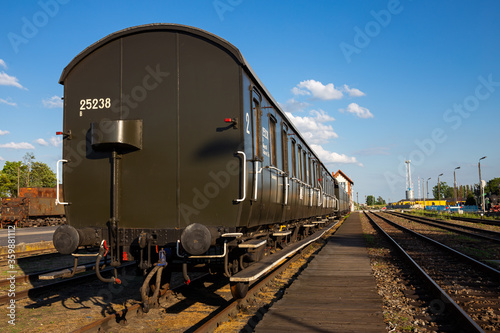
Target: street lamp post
x: 439, y: 188
x: 18, y: 181
x: 423, y: 191
x: 427, y: 188
x: 481, y: 189
x: 455, y: 185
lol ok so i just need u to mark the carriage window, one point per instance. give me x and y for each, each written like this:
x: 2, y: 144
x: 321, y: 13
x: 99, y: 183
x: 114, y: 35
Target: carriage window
x: 305, y: 168
x: 294, y: 158
x: 300, y: 175
x: 272, y: 139
x: 313, y: 174
x: 284, y: 149
x: 310, y: 172
x: 257, y: 112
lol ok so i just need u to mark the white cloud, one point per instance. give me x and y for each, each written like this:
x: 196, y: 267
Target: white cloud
x: 297, y: 91
x: 7, y: 80
x: 4, y: 132
x: 42, y: 142
x: 332, y: 157
x: 292, y: 105
x: 359, y: 111
x: 321, y: 116
x: 53, y: 102
x: 3, y: 64
x: 312, y: 128
x: 2, y: 159
x: 317, y: 90
x: 55, y: 141
x: 20, y: 145
x: 353, y: 92
x: 7, y: 101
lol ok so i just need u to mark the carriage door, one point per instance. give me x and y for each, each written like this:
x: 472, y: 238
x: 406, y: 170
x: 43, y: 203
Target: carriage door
x: 253, y: 145
x: 286, y: 175
x: 275, y: 172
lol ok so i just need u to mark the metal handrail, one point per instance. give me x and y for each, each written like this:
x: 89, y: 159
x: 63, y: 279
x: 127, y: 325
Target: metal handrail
x: 244, y: 176
x: 270, y: 167
x: 320, y: 201
x: 301, y: 182
x: 256, y: 179
x: 286, y: 190
x: 58, y: 202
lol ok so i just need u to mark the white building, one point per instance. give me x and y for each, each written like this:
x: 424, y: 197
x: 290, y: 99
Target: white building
x: 347, y: 184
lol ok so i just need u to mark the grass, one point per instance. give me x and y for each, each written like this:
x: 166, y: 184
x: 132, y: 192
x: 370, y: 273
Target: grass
x: 447, y: 216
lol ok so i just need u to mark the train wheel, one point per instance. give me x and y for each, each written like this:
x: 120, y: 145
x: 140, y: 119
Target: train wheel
x: 239, y: 289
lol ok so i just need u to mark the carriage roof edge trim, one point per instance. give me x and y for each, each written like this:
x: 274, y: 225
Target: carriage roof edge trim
x: 148, y: 28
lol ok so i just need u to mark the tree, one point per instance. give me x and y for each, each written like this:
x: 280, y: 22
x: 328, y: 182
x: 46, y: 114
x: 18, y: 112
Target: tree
x: 370, y: 200
x: 493, y: 186
x: 445, y: 191
x: 28, y: 159
x: 4, y: 185
x: 380, y: 201
x: 41, y: 175
x: 471, y: 200
x: 11, y: 172
x: 27, y: 173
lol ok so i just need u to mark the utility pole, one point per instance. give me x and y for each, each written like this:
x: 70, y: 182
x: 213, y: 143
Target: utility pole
x: 18, y: 180
x: 428, y: 187
x: 439, y: 188
x: 481, y: 188
x: 423, y: 190
x: 455, y: 185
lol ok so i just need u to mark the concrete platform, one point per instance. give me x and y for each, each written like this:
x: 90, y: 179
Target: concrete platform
x: 336, y: 293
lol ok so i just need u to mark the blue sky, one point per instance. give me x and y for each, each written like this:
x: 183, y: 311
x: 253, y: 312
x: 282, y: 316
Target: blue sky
x: 370, y: 83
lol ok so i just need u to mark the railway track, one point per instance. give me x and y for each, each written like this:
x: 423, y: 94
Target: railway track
x: 218, y: 306
x: 54, y: 285
x: 490, y: 235
x: 482, y: 245
x: 471, y: 219
x: 28, y: 254
x: 474, y: 220
x: 36, y: 276
x: 469, y: 289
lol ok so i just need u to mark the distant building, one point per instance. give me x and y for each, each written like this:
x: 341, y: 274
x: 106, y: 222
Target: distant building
x: 347, y: 184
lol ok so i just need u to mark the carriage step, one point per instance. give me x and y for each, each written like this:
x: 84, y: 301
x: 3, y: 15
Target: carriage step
x: 309, y: 225
x: 232, y: 234
x: 263, y: 266
x: 252, y: 244
x: 282, y: 233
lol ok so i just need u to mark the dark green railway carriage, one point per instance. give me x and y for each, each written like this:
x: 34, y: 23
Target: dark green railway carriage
x: 167, y: 126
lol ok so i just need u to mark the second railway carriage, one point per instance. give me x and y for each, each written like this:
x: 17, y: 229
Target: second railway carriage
x: 172, y: 142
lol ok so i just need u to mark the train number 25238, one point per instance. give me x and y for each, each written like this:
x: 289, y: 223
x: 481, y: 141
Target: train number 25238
x: 95, y: 103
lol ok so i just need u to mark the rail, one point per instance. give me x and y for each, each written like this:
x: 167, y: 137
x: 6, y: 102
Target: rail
x: 469, y: 324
